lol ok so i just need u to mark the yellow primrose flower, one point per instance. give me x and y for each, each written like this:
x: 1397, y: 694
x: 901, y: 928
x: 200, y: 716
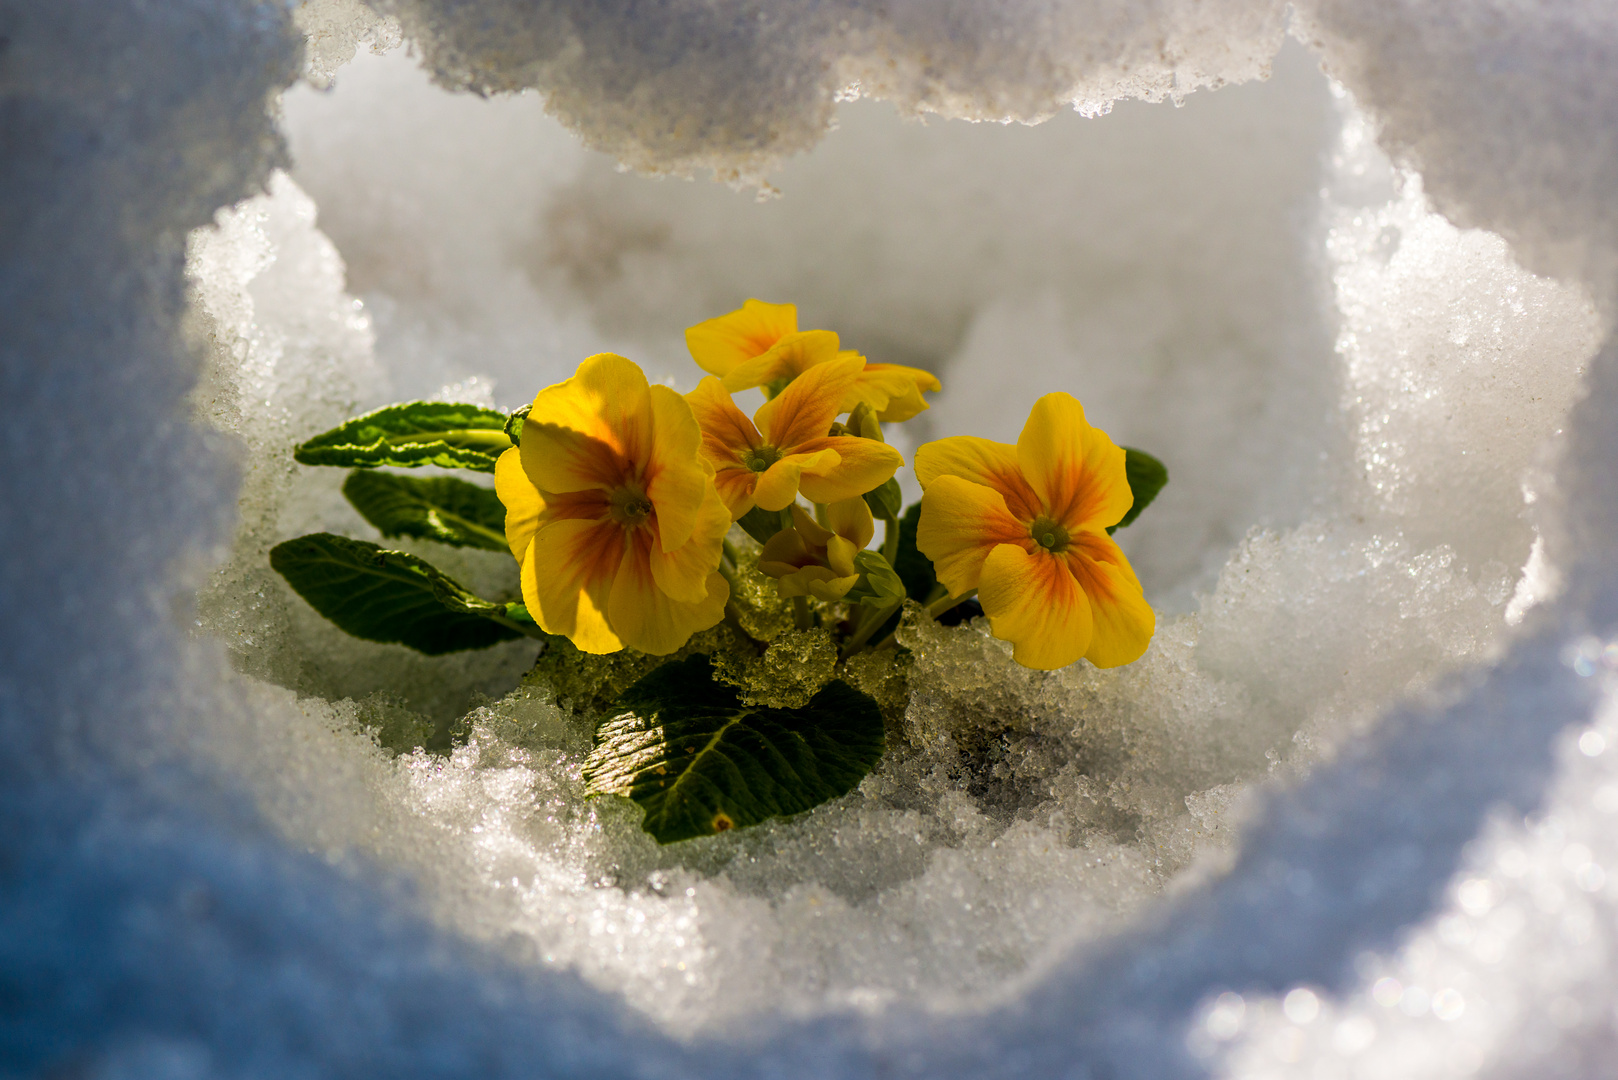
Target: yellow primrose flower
x: 760, y: 344
x: 808, y: 560
x: 612, y: 513
x: 1026, y: 525
x: 789, y: 450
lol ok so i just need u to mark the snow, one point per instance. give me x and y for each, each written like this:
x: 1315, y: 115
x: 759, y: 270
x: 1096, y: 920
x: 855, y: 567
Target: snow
x: 1350, y: 816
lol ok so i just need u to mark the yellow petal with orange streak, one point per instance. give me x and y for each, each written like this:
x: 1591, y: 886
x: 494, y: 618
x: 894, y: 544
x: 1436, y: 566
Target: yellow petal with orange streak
x: 851, y: 519
x: 806, y: 408
x: 567, y: 579
x: 981, y: 461
x: 1124, y: 621
x: 590, y: 430
x: 1033, y: 601
x: 521, y: 499
x: 778, y: 485
x: 788, y: 358
x: 683, y: 573
x: 961, y: 522
x: 862, y: 465
x: 735, y: 486
x: 1076, y: 470
x: 1104, y: 495
x: 727, y: 433
x: 646, y: 618
x: 719, y: 345
x: 677, y: 477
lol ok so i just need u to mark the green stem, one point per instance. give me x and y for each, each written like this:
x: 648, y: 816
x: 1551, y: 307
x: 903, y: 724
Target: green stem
x: 869, y: 625
x: 802, y: 618
x: 729, y: 550
x: 527, y: 629
x: 733, y: 614
x: 938, y: 607
x: 727, y: 570
x: 733, y: 619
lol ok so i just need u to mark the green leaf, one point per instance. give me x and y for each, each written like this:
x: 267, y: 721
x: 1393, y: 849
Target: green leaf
x: 699, y: 762
x: 1147, y: 475
x: 913, y: 568
x: 886, y: 501
x: 438, y: 508
x: 878, y: 586
x: 513, y: 426
x: 762, y: 524
x: 388, y: 596
x: 414, y: 433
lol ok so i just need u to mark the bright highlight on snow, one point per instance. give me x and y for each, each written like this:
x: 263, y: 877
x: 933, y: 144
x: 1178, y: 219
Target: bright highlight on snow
x: 1350, y: 813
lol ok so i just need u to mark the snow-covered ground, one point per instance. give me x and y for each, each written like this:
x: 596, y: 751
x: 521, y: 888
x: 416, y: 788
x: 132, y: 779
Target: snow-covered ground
x: 1350, y: 816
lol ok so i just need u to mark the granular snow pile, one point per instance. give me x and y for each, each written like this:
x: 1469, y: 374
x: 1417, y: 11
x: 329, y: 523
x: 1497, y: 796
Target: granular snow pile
x: 1351, y: 815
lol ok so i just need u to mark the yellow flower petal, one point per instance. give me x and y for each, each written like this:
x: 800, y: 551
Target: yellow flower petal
x: 718, y: 345
x: 893, y: 390
x: 646, y: 618
x: 785, y: 553
x: 981, y: 461
x: 683, y: 572
x: 834, y: 589
x: 727, y: 437
x: 961, y: 522
x: 521, y: 499
x: 811, y: 530
x: 1124, y: 621
x: 727, y: 433
x: 805, y: 409
x: 816, y: 581
x: 676, y: 479
x: 588, y: 430
x: 735, y: 487
x: 1076, y: 470
x: 788, y: 358
x: 778, y: 485
x: 567, y: 578
x: 840, y: 553
x: 1103, y: 496
x: 862, y: 465
x: 1033, y: 601
x: 851, y: 518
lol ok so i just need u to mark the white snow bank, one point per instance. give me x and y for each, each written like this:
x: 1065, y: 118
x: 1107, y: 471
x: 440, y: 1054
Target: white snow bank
x: 163, y: 914
x: 735, y: 85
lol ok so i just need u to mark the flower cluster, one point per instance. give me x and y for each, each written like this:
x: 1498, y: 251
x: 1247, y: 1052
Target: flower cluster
x: 618, y: 499
x: 620, y: 494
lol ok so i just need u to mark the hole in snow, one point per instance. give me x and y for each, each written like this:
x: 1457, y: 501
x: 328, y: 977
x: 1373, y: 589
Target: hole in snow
x: 1243, y: 286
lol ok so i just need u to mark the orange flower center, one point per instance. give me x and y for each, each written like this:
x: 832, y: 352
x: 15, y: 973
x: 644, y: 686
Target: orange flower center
x: 1050, y: 535
x: 630, y: 507
x: 761, y: 457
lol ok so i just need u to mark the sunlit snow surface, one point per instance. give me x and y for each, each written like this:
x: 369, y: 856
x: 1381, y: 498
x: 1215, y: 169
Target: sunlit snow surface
x: 1352, y: 815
